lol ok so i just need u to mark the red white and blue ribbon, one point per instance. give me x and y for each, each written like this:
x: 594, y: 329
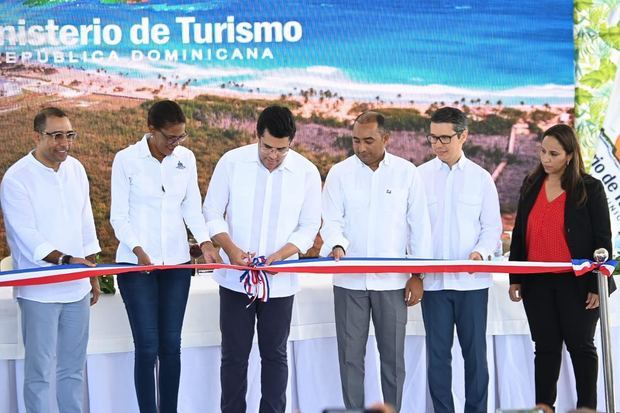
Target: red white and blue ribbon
x: 581, y: 267
x: 259, y: 285
x: 255, y: 281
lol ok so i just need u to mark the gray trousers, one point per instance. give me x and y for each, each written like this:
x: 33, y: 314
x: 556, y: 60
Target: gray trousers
x: 389, y: 316
x: 54, y: 331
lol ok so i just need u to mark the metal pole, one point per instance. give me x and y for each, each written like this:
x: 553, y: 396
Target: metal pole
x: 600, y: 256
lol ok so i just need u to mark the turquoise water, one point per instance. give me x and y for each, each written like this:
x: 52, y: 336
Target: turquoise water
x: 492, y: 49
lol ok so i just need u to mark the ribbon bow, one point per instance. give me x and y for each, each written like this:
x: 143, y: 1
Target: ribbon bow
x: 584, y: 266
x: 255, y: 281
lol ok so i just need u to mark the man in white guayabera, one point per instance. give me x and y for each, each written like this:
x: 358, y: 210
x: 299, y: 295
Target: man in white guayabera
x: 49, y: 221
x: 374, y: 206
x: 264, y: 199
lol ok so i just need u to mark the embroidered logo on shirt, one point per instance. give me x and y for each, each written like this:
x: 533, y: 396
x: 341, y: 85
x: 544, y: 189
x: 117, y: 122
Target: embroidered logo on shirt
x: 180, y: 165
x: 388, y: 191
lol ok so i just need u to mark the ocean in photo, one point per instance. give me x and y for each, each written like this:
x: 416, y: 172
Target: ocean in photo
x: 422, y: 50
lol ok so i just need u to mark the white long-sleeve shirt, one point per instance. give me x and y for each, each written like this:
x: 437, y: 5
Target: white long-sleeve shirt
x: 263, y: 211
x: 46, y: 210
x: 464, y: 210
x: 380, y: 213
x: 152, y: 202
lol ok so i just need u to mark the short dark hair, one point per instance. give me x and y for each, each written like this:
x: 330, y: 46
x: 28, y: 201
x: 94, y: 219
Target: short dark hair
x: 370, y: 116
x: 165, y: 112
x: 41, y: 118
x: 451, y: 115
x: 278, y: 120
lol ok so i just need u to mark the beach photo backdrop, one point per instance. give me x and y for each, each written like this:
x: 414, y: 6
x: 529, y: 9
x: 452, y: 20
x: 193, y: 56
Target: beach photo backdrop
x: 510, y: 65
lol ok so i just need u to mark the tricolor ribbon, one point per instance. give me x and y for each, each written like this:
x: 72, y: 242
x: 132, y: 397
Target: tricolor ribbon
x: 258, y: 281
x: 255, y: 281
x: 581, y: 267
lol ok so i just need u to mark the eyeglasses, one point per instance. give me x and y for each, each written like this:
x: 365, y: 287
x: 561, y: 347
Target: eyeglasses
x: 445, y: 139
x: 269, y: 149
x: 173, y: 139
x: 58, y: 136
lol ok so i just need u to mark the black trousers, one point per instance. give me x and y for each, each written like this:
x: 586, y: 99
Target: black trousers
x: 555, y: 308
x: 273, y: 324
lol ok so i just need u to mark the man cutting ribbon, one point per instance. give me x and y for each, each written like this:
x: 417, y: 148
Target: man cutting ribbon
x: 263, y: 200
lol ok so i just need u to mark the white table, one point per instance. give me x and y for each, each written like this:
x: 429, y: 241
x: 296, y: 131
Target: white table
x: 314, y: 381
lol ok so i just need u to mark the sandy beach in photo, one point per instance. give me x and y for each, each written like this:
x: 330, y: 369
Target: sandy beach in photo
x: 79, y: 87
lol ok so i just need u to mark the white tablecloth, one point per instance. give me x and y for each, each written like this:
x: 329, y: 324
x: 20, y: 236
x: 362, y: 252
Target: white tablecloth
x: 314, y: 382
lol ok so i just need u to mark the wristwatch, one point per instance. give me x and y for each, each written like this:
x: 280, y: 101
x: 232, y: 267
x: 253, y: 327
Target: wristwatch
x: 64, y: 259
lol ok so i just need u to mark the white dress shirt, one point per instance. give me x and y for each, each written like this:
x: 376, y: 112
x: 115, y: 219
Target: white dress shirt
x: 152, y: 202
x: 378, y: 213
x: 464, y: 210
x: 263, y: 211
x: 46, y: 210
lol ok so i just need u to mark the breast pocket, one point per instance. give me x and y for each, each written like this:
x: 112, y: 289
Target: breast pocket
x: 394, y: 201
x: 357, y: 200
x: 469, y: 208
x: 143, y: 185
x: 176, y: 185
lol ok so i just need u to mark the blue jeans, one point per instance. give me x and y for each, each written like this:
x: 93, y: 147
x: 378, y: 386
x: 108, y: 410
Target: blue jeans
x: 155, y: 304
x: 467, y: 310
x: 54, y: 330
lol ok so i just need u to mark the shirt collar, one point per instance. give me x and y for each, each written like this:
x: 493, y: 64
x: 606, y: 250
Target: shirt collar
x: 39, y: 164
x: 143, y: 148
x: 460, y: 164
x: 387, y: 160
x: 287, y: 163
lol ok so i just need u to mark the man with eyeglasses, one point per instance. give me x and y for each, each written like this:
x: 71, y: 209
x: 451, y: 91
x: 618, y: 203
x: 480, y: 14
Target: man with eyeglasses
x: 264, y: 199
x: 466, y: 224
x: 49, y: 221
x: 374, y: 206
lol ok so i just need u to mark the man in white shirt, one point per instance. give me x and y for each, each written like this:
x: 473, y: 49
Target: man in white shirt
x: 264, y: 199
x: 49, y: 221
x: 466, y: 224
x: 374, y: 206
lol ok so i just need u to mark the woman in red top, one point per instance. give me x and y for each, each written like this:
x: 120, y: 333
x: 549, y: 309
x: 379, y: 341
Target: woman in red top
x: 562, y: 214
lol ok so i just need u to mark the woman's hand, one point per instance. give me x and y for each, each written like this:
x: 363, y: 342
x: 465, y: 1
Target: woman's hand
x: 515, y: 292
x: 592, y: 301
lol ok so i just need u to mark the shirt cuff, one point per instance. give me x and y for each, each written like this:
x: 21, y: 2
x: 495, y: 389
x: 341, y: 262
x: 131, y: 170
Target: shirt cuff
x: 302, y: 242
x: 91, y: 249
x: 484, y: 253
x: 201, y: 238
x: 329, y: 245
x: 217, y: 227
x: 42, y: 251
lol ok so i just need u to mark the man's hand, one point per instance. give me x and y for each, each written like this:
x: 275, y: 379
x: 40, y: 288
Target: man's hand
x: 476, y: 256
x: 210, y: 253
x: 239, y: 257
x: 283, y: 253
x: 337, y: 253
x: 414, y: 290
x: 95, y: 290
x: 515, y: 292
x: 78, y: 260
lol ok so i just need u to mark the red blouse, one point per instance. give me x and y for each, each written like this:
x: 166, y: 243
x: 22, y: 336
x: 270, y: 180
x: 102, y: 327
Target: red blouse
x: 545, y: 238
